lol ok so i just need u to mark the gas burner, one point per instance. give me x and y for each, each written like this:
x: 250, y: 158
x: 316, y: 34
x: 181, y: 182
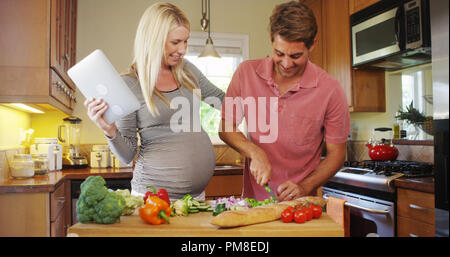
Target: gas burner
x: 388, y: 168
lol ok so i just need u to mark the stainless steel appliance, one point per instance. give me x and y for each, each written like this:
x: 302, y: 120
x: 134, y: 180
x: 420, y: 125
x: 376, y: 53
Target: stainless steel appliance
x: 391, y: 35
x: 440, y: 66
x: 368, y: 188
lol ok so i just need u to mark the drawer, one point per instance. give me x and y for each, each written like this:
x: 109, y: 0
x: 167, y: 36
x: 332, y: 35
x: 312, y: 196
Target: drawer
x: 224, y: 186
x: 61, y: 91
x: 57, y: 202
x: 58, y: 227
x: 407, y: 227
x: 415, y: 205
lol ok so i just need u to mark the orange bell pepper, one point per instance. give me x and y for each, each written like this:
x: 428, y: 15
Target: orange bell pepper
x: 155, y: 211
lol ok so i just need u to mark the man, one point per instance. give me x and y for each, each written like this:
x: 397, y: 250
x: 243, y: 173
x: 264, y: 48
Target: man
x: 311, y: 107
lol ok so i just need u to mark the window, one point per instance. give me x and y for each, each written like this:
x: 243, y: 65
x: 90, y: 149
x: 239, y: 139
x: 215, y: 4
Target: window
x: 233, y: 49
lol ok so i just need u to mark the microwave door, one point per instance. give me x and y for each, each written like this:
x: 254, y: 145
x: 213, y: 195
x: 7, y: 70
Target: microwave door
x: 376, y: 37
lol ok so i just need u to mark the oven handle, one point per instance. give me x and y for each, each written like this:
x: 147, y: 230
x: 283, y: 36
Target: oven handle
x: 375, y: 211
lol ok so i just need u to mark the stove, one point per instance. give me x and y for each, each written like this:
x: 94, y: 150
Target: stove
x: 380, y: 175
x: 369, y: 192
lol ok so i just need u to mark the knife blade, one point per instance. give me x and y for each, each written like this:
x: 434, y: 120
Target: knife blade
x: 271, y: 193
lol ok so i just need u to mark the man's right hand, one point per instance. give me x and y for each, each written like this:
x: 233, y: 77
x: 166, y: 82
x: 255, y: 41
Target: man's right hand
x: 260, y: 166
x: 96, y: 108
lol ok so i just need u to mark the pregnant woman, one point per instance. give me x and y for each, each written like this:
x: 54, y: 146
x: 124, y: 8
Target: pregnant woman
x: 180, y: 160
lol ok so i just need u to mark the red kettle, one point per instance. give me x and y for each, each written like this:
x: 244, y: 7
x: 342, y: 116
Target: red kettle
x: 382, y: 151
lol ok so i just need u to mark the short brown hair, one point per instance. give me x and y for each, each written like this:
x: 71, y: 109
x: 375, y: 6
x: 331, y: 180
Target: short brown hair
x: 293, y: 21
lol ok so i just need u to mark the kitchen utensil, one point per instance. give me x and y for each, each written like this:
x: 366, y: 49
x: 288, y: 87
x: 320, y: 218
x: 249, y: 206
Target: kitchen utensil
x: 69, y: 134
x: 271, y: 193
x: 380, y: 150
x: 50, y: 147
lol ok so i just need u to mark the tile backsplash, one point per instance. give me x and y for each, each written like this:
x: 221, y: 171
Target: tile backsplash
x: 358, y: 151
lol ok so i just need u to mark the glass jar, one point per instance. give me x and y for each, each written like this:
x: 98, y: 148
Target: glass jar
x: 40, y: 164
x: 22, y: 166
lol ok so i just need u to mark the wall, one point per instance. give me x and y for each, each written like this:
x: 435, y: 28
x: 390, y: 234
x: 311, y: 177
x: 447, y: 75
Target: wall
x: 11, y: 121
x: 364, y: 123
x: 111, y: 25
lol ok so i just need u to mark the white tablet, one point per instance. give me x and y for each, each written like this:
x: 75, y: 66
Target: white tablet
x: 96, y: 77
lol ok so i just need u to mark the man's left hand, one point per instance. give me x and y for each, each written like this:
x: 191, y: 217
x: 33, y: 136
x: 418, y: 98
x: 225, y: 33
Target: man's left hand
x: 289, y: 191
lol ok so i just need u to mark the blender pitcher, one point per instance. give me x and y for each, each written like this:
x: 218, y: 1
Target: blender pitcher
x: 69, y: 134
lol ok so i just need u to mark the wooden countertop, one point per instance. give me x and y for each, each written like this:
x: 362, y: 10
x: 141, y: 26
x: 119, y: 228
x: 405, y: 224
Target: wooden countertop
x: 198, y: 225
x: 49, y: 182
x: 425, y: 184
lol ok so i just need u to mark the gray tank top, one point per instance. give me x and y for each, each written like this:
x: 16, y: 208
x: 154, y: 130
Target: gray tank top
x: 180, y: 161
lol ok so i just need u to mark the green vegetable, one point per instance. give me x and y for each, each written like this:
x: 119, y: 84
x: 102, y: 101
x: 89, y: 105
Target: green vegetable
x: 97, y: 204
x: 219, y: 209
x: 131, y: 201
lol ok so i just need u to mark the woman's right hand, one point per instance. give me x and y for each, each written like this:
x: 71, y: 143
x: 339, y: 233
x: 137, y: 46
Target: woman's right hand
x: 96, y: 108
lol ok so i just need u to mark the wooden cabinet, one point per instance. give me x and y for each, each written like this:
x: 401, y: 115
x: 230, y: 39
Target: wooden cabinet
x: 37, y: 48
x: 35, y: 214
x: 365, y: 89
x: 358, y: 5
x: 224, y: 186
x: 415, y: 213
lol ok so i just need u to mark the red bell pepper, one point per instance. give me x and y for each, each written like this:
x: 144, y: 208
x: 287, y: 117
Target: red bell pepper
x: 162, y: 193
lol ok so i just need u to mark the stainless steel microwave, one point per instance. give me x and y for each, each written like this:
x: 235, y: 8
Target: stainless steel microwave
x: 391, y: 34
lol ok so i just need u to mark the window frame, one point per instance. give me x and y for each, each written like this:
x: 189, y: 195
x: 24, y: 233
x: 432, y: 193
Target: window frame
x: 225, y: 40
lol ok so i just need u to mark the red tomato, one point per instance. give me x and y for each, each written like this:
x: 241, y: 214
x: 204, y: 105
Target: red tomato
x: 291, y: 209
x: 287, y: 216
x: 309, y: 213
x: 317, y: 211
x: 300, y: 217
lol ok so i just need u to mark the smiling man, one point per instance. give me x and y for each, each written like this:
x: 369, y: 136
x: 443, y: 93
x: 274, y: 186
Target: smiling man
x: 311, y: 108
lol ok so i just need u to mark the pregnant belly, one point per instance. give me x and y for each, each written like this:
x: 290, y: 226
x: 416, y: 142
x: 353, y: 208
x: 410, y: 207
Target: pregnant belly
x: 182, y: 164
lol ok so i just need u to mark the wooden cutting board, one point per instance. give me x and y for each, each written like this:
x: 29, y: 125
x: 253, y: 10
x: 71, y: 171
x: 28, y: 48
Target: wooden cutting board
x: 197, y: 225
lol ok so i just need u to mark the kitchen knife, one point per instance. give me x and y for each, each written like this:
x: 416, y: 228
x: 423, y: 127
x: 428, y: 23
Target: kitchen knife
x: 271, y: 193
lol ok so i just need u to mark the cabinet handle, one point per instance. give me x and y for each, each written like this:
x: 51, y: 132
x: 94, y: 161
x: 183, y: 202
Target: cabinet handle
x: 61, y: 199
x: 413, y: 235
x: 413, y: 206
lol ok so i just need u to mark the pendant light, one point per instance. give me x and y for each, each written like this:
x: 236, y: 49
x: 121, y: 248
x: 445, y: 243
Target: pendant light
x: 209, y: 50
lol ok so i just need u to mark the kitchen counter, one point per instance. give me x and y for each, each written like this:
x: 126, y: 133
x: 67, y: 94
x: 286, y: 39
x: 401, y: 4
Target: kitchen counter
x: 198, y: 225
x: 425, y: 184
x: 49, y: 182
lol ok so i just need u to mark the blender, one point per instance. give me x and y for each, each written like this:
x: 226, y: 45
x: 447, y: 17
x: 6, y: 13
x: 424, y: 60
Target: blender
x: 69, y: 134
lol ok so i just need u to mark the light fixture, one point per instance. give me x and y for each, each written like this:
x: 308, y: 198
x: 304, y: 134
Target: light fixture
x: 27, y: 108
x: 209, y: 50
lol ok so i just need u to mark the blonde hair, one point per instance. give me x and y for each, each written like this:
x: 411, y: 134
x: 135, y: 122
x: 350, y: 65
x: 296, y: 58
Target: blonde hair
x: 155, y: 24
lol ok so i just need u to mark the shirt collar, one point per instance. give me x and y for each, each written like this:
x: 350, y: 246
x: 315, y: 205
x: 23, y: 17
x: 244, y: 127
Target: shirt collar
x: 308, y: 80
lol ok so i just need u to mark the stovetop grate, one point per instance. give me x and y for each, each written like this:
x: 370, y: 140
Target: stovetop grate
x: 410, y: 169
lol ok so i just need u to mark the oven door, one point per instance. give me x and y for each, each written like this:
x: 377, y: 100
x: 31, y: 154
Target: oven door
x: 368, y: 216
x: 376, y: 37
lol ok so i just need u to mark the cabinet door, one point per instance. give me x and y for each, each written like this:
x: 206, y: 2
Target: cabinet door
x: 63, y: 37
x: 336, y: 37
x: 358, y: 5
x: 316, y: 55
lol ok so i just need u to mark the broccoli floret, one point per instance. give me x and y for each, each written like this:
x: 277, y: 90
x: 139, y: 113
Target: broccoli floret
x: 97, y: 204
x: 94, y: 190
x: 109, y: 209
